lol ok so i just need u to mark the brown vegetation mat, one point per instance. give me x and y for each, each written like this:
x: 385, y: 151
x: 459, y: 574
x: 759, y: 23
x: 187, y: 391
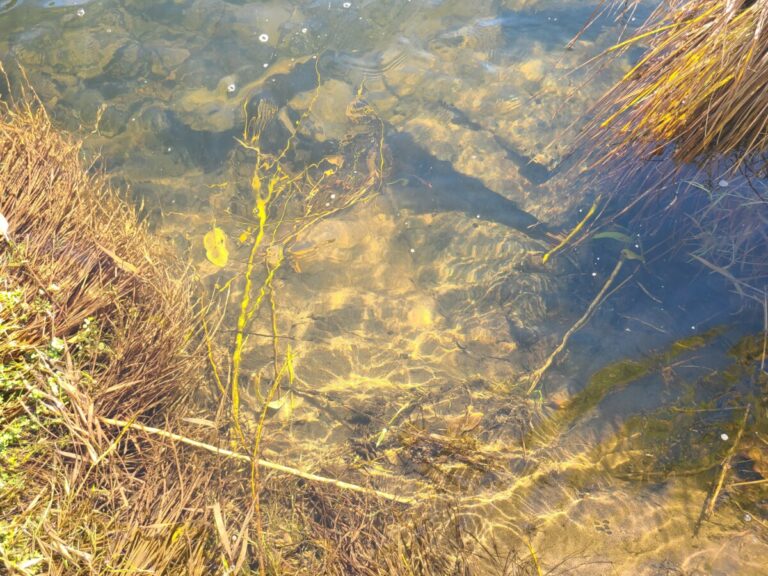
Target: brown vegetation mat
x: 98, y: 325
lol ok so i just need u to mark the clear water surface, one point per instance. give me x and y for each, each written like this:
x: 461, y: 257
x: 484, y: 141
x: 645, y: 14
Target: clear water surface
x: 421, y: 307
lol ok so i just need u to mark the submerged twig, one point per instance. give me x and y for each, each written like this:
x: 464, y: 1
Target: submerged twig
x: 748, y: 483
x: 536, y: 375
x: 725, y: 465
x: 261, y: 462
x: 722, y: 271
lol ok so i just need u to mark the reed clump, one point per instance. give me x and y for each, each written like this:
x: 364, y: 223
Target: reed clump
x: 698, y: 87
x: 686, y: 128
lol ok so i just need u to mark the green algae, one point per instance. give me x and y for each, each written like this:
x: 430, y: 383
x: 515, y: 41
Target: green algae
x: 614, y: 377
x: 607, y: 379
x: 692, y: 436
x: 622, y: 373
x: 667, y: 442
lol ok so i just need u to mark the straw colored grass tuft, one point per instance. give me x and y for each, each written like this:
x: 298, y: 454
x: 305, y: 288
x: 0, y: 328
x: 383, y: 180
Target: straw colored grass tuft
x: 96, y: 320
x: 700, y: 85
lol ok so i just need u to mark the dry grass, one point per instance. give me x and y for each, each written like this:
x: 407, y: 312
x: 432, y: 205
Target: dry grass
x: 100, y: 325
x: 84, y: 253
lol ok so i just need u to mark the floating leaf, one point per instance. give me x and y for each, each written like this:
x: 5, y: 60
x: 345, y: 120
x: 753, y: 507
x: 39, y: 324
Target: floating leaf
x: 618, y: 236
x: 215, y: 242
x: 276, y: 405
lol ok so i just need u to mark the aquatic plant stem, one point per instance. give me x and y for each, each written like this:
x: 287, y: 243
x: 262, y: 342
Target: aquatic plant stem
x: 261, y: 462
x: 533, y: 557
x: 255, y: 470
x: 242, y: 319
x: 765, y: 330
x: 536, y: 375
x: 573, y: 232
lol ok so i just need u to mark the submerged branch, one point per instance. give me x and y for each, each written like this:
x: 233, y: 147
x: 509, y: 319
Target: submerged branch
x: 537, y: 375
x: 261, y: 462
x: 725, y: 465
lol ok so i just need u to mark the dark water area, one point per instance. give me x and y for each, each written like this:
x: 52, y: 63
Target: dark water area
x: 413, y: 291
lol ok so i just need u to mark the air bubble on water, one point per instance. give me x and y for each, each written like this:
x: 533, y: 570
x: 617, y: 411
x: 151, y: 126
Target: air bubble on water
x: 304, y: 30
x: 747, y: 517
x: 333, y: 196
x: 231, y: 88
x: 413, y: 250
x: 81, y: 12
x: 263, y: 37
x: 266, y: 65
x: 723, y: 183
x: 724, y: 437
x: 594, y: 274
x: 346, y: 5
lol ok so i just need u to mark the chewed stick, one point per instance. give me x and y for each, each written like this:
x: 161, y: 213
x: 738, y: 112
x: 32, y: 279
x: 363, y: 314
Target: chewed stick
x: 536, y: 375
x: 263, y: 463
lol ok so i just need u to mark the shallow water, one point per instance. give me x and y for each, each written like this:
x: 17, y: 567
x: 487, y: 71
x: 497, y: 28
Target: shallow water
x: 414, y: 315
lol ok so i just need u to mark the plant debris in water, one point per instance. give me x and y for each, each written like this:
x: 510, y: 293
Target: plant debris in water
x: 98, y: 326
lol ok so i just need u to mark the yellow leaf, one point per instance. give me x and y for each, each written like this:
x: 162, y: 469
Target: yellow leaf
x: 215, y: 242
